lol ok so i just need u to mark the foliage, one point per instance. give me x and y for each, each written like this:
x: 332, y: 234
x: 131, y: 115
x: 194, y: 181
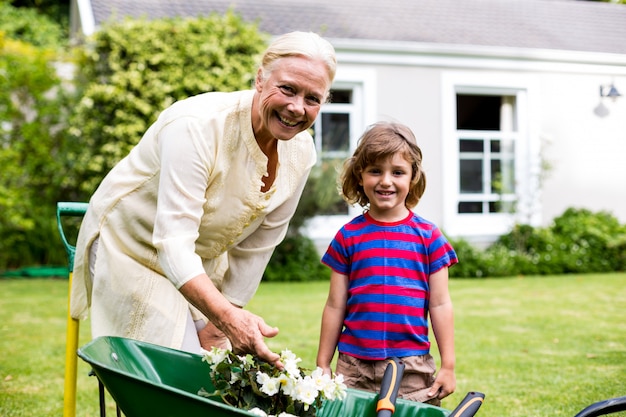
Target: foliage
x: 32, y: 105
x: 318, y: 195
x: 296, y: 259
x: 57, y: 10
x: 28, y: 26
x: 128, y: 72
x: 250, y: 384
x: 578, y: 241
x: 131, y: 70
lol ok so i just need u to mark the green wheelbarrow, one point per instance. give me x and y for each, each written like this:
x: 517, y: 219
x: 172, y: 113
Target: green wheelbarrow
x: 155, y: 381
x: 150, y: 380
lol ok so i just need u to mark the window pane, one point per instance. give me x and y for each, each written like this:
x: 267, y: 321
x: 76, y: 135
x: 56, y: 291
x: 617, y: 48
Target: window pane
x: 341, y: 96
x: 496, y: 177
x: 471, y: 145
x: 336, y: 132
x: 475, y: 112
x: 470, y: 207
x: 471, y: 176
x: 501, y: 207
x: 502, y: 176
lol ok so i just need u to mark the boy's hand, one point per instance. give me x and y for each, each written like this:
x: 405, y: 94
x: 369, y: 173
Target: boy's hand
x: 445, y: 384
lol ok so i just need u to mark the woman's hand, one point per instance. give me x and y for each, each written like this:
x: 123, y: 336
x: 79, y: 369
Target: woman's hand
x: 246, y: 331
x: 210, y: 336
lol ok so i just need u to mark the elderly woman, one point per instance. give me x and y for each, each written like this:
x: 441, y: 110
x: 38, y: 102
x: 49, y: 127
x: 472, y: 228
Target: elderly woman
x: 178, y: 234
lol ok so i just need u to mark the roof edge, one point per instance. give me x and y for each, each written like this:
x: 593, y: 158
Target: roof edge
x: 404, y: 50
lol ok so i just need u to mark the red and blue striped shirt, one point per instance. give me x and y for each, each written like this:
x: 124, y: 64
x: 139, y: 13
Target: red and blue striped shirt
x: 388, y: 265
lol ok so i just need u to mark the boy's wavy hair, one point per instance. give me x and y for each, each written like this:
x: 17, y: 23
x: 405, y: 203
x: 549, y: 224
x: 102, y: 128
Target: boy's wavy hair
x: 380, y: 141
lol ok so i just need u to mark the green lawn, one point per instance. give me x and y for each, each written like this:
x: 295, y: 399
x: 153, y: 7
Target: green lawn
x: 535, y: 346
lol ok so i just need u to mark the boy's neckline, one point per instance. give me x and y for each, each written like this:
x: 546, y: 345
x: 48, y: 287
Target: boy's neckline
x: 371, y: 218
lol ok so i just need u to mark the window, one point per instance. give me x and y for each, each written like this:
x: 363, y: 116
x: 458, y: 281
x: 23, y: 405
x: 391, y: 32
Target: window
x: 486, y: 145
x: 333, y: 133
x: 491, y: 157
x: 336, y: 131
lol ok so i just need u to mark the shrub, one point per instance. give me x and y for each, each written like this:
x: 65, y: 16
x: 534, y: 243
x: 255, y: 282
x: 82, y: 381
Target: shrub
x: 470, y: 260
x: 31, y: 142
x: 131, y: 70
x: 578, y: 241
x: 589, y: 241
x: 296, y: 259
x: 28, y: 26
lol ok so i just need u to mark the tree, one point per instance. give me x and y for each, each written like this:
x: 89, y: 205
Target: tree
x: 31, y: 139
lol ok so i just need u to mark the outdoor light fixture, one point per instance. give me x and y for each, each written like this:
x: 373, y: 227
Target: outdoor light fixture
x: 609, y: 90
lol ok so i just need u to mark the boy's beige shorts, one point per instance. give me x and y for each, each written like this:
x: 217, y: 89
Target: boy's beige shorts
x: 367, y: 375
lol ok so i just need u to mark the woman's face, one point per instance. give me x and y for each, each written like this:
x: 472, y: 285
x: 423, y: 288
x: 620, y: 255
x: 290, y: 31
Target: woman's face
x: 290, y: 98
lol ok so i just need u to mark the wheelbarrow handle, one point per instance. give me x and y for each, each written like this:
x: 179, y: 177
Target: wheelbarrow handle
x: 65, y: 209
x: 469, y: 406
x: 605, y: 407
x: 71, y: 208
x: 389, y: 388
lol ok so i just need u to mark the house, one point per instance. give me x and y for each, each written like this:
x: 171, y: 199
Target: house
x: 514, y: 102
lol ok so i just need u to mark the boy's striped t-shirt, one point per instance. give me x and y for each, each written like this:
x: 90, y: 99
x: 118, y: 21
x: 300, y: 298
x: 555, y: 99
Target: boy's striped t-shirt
x: 388, y: 265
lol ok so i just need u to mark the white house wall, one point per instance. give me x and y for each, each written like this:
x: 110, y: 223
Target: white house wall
x: 584, y: 152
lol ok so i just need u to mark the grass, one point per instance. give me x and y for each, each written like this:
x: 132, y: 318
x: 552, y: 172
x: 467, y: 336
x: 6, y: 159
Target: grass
x: 536, y: 346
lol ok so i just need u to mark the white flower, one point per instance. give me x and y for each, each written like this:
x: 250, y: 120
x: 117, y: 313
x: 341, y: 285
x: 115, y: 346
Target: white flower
x: 290, y: 360
x: 258, y: 412
x: 320, y: 379
x: 337, y: 389
x: 269, y: 386
x: 288, y: 385
x: 234, y: 377
x: 306, y: 390
x: 215, y: 356
x: 284, y: 387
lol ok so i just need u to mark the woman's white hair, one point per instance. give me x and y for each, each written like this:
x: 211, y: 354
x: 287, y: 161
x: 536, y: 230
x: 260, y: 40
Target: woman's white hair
x: 307, y: 44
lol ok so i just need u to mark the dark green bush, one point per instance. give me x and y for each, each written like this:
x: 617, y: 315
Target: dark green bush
x: 470, y: 260
x: 296, y: 259
x: 590, y: 241
x: 29, y: 26
x: 578, y: 241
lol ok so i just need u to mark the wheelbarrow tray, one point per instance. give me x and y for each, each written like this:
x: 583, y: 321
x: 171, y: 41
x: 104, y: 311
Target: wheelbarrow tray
x: 147, y: 380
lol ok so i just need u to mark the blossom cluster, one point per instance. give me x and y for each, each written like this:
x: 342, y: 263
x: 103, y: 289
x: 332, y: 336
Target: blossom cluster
x: 266, y: 391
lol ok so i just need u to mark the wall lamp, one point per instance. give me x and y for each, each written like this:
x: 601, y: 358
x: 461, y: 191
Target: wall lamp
x: 609, y: 90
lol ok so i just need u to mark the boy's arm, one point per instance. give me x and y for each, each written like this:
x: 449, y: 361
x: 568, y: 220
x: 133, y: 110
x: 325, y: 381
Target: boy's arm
x: 442, y: 319
x: 332, y: 320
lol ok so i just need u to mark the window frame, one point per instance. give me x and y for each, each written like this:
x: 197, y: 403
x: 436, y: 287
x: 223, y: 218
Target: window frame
x: 488, y: 226
x: 362, y: 82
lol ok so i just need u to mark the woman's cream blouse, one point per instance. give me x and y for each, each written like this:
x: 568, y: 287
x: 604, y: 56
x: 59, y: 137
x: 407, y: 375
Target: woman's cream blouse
x: 187, y: 200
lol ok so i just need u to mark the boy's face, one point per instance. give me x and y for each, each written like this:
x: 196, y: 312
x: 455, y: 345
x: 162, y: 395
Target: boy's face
x: 386, y: 183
